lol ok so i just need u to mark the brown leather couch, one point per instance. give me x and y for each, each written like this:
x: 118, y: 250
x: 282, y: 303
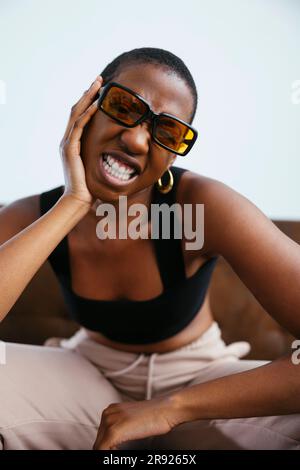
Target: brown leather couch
x: 40, y: 312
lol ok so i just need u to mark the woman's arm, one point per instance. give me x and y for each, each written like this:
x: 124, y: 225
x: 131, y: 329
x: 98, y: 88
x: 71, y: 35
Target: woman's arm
x: 268, y: 262
x: 272, y: 389
x: 264, y: 258
x: 22, y: 255
x: 268, y: 390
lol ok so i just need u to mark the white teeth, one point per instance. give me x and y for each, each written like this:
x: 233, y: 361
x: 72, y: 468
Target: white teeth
x: 117, y: 166
x: 115, y: 173
x: 114, y: 169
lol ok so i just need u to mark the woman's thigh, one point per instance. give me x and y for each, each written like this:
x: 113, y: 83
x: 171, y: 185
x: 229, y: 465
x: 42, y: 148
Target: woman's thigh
x: 267, y: 432
x: 51, y: 398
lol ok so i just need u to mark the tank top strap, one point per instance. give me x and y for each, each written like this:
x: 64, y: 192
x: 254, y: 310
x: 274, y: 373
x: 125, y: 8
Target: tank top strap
x: 168, y: 250
x: 59, y: 258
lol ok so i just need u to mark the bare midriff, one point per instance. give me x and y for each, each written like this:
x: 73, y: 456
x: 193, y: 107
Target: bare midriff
x: 144, y: 255
x: 201, y: 322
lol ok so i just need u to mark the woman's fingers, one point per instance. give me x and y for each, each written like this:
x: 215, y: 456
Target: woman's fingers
x: 73, y: 140
x: 74, y: 171
x: 86, y: 99
x: 81, y: 106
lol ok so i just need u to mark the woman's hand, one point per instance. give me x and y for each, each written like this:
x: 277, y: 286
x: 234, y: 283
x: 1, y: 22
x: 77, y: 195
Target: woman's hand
x: 127, y: 421
x: 81, y: 113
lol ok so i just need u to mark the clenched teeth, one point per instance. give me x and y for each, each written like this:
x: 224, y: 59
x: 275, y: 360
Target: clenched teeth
x: 116, y: 169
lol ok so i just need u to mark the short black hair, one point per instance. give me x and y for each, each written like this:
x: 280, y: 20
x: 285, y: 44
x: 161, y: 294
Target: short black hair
x: 153, y: 55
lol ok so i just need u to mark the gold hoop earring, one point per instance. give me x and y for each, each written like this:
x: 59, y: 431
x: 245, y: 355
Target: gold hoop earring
x: 169, y: 186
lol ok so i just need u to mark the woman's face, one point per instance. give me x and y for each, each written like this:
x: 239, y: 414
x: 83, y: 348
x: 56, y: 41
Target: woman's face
x: 164, y: 92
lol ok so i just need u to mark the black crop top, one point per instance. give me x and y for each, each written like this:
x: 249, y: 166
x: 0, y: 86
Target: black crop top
x: 141, y: 321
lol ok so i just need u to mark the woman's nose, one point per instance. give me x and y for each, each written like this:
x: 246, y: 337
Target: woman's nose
x: 138, y: 138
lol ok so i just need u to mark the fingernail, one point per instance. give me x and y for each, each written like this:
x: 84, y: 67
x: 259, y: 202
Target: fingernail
x: 93, y: 84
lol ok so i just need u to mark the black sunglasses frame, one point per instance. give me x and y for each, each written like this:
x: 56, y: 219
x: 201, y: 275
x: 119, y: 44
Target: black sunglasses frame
x: 148, y: 114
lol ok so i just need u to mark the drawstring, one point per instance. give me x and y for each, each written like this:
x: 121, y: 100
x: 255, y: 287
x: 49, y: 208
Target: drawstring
x: 127, y: 369
x: 135, y: 363
x: 149, y: 378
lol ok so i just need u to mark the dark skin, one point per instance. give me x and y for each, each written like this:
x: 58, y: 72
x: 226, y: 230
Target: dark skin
x: 266, y: 260
x: 91, y: 258
x: 166, y: 93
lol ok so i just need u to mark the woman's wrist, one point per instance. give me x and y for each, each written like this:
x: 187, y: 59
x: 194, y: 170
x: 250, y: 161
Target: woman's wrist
x: 75, y: 204
x: 182, y: 409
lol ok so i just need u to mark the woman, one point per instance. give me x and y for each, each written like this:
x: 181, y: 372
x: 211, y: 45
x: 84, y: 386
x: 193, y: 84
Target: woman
x: 147, y: 362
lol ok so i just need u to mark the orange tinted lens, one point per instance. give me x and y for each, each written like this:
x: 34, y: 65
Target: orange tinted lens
x: 123, y: 105
x: 174, y: 134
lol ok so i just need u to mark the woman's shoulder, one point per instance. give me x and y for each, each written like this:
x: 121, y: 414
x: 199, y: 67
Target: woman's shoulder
x: 231, y: 220
x: 225, y: 209
x: 221, y: 201
x: 218, y: 196
x: 17, y: 215
x: 196, y: 188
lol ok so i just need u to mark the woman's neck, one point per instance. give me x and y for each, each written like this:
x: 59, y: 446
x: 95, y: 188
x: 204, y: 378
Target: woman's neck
x: 144, y: 197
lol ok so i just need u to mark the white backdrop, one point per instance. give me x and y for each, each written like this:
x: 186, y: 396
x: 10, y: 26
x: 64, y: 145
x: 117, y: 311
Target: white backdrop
x: 244, y: 56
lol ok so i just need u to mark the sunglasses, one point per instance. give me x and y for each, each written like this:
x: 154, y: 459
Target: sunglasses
x: 129, y: 109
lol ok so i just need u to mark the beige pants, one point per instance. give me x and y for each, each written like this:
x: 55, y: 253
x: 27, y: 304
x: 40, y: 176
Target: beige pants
x: 53, y: 397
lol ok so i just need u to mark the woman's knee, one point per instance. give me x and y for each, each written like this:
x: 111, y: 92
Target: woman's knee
x: 51, y: 385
